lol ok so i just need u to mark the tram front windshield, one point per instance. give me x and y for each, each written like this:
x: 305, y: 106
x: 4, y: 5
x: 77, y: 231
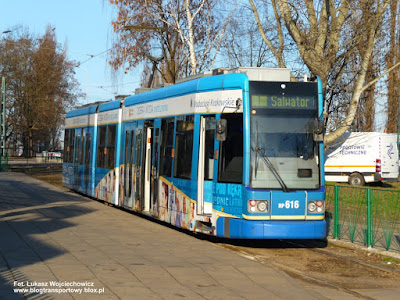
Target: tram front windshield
x: 284, y: 154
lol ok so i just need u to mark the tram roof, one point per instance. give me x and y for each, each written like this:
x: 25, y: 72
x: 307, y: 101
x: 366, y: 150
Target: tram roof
x: 82, y: 111
x: 204, y: 84
x: 110, y: 105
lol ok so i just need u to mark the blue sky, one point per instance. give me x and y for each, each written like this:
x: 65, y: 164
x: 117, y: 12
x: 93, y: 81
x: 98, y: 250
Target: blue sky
x: 85, y: 27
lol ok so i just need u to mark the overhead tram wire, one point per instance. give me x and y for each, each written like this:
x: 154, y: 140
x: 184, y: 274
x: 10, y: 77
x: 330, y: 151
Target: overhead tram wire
x: 95, y: 55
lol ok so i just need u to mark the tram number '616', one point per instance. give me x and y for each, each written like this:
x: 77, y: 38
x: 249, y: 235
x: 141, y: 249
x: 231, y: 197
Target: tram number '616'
x: 289, y: 204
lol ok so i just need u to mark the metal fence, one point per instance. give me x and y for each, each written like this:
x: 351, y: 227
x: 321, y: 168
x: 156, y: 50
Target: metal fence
x: 364, y: 215
x: 4, y: 162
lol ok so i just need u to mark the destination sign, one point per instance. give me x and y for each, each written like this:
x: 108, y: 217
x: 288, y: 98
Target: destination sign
x: 282, y: 102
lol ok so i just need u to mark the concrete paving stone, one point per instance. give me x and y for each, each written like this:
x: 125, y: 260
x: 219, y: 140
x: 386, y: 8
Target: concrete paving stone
x: 176, y: 292
x: 135, y: 292
x: 119, y: 293
x: 266, y: 280
x: 149, y: 274
x: 90, y: 258
x: 332, y: 294
x: 247, y: 279
x: 134, y: 261
x: 226, y: 293
x: 381, y: 294
x: 207, y: 284
x: 12, y: 276
x: 167, y: 260
x: 8, y: 293
x: 64, y: 258
x: 3, y: 263
x: 71, y: 273
x: 114, y: 274
x: 237, y: 281
x: 161, y: 281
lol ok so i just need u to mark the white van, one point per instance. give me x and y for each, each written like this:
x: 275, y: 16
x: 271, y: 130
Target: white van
x: 363, y: 157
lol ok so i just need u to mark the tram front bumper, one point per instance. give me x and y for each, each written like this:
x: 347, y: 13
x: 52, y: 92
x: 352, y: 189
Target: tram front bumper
x: 252, y: 229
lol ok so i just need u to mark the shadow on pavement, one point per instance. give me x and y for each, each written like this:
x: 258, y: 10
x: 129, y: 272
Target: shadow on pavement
x: 29, y: 213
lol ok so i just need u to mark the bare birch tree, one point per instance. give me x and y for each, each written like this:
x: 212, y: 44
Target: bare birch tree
x: 393, y: 58
x: 321, y: 32
x: 242, y: 45
x: 199, y: 17
x: 142, y: 39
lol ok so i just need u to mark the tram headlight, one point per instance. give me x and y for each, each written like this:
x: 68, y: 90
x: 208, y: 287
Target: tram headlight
x: 320, y: 206
x: 312, y: 206
x: 257, y: 206
x: 262, y: 206
x: 316, y: 206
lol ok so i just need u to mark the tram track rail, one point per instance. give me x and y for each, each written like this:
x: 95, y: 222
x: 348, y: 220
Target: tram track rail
x: 292, y: 271
x: 305, y: 276
x: 354, y: 260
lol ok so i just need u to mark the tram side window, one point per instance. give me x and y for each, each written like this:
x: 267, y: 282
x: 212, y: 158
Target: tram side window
x: 167, y: 139
x: 82, y: 145
x: 66, y: 145
x: 209, y: 148
x: 184, y: 147
x: 230, y: 167
x: 101, y: 146
x: 110, y: 157
x: 128, y: 167
x: 71, y: 146
x: 78, y: 142
x: 88, y: 150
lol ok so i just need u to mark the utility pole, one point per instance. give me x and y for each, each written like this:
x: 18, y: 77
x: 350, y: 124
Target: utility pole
x: 3, y: 116
x: 3, y: 112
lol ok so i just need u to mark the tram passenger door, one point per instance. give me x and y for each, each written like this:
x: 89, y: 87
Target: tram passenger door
x: 154, y: 168
x: 77, y: 153
x: 128, y: 166
x: 87, y: 152
x: 147, y: 164
x: 138, y: 186
x: 206, y: 165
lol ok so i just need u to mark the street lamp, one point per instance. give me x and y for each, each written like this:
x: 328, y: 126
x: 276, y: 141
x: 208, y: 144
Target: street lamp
x: 3, y: 116
x: 3, y: 112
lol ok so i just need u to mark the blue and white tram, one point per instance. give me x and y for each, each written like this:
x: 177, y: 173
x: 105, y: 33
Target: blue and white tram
x: 79, y: 143
x: 106, y: 155
x: 234, y: 155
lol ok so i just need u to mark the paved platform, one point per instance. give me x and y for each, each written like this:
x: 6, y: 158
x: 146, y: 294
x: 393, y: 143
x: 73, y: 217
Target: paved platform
x: 55, y: 244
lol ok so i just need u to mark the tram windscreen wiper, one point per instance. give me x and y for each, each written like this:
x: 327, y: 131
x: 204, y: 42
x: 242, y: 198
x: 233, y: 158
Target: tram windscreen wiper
x: 267, y: 162
x: 271, y: 168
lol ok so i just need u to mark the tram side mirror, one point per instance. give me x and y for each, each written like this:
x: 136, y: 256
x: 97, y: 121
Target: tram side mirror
x: 318, y: 130
x: 221, y: 130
